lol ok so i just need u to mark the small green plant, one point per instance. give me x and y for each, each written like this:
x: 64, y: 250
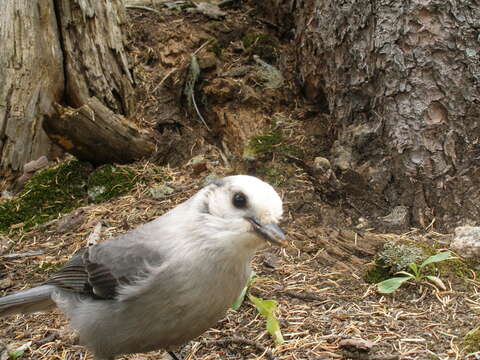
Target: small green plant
x: 236, y: 305
x: 417, y: 273
x: 266, y: 308
x: 16, y: 354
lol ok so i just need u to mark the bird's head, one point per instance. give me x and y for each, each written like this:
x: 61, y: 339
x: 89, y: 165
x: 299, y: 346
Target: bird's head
x: 248, y: 206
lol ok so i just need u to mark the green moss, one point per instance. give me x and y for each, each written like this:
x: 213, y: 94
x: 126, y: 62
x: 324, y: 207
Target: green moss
x: 461, y: 268
x: 271, y: 174
x: 263, y: 45
x: 108, y: 182
x: 263, y: 144
x: 376, y: 273
x: 269, y: 143
x: 471, y: 340
x: 50, y: 192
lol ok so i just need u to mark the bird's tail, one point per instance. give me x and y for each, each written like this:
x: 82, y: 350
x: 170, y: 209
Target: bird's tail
x: 27, y: 301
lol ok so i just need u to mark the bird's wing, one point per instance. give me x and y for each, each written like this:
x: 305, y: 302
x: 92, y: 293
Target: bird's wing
x: 98, y: 271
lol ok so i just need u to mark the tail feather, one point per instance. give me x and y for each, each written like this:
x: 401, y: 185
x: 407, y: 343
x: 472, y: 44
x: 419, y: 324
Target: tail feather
x: 27, y: 301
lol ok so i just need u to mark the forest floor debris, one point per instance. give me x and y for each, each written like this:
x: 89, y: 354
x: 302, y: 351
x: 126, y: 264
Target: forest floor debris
x: 318, y: 282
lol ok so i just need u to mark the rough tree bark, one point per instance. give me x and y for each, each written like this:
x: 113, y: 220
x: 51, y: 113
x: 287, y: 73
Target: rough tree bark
x: 58, y: 55
x: 31, y: 78
x: 401, y: 80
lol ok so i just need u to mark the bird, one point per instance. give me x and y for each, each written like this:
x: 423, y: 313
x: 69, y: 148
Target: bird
x: 167, y: 281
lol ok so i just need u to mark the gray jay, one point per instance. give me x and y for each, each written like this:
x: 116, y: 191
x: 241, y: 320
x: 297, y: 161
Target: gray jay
x: 167, y: 281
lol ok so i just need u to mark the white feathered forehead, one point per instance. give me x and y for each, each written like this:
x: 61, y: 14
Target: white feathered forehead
x: 261, y: 195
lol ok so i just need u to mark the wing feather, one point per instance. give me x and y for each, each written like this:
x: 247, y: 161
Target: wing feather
x: 99, y: 271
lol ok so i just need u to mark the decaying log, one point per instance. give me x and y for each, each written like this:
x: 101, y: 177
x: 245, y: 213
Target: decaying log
x: 96, y: 62
x: 66, y: 52
x: 94, y: 133
x: 31, y: 79
x: 99, y: 86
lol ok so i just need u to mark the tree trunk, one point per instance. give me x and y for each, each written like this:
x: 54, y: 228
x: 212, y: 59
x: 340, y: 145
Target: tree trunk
x: 68, y: 52
x: 400, y: 82
x: 31, y: 79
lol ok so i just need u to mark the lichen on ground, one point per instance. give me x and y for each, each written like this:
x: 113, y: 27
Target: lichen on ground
x: 108, y: 182
x: 396, y: 256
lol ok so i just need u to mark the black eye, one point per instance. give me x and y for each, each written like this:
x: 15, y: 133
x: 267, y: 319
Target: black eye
x: 239, y: 200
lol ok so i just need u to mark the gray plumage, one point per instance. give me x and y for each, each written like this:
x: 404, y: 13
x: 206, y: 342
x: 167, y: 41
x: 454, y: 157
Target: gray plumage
x: 166, y: 282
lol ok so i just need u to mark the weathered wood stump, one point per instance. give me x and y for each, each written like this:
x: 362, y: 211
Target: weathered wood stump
x: 71, y: 53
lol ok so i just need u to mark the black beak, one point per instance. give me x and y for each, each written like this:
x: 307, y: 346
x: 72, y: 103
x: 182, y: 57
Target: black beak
x: 270, y: 232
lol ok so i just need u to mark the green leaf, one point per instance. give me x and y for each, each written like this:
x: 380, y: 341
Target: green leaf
x: 437, y: 281
x: 16, y: 354
x: 236, y: 305
x: 390, y: 285
x: 414, y: 268
x: 446, y: 255
x: 405, y: 273
x: 266, y: 308
x: 273, y: 328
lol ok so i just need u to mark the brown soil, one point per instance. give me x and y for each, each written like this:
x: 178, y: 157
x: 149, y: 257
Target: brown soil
x: 317, y: 281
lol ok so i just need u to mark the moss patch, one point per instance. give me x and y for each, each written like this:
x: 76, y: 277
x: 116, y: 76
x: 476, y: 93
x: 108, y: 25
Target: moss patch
x: 271, y: 174
x: 49, y: 193
x: 377, y: 273
x: 263, y: 45
x: 264, y: 144
x: 58, y: 190
x: 269, y: 143
x: 109, y: 181
x: 471, y: 340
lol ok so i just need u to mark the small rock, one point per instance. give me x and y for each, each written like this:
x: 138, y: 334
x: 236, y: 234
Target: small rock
x: 467, y: 241
x: 161, y: 191
x: 29, y: 169
x: 210, y: 10
x: 71, y: 222
x: 356, y: 345
x: 363, y: 223
x: 270, y: 260
x: 5, y: 283
x: 35, y: 165
x: 207, y: 62
x: 321, y: 163
x: 398, y: 219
